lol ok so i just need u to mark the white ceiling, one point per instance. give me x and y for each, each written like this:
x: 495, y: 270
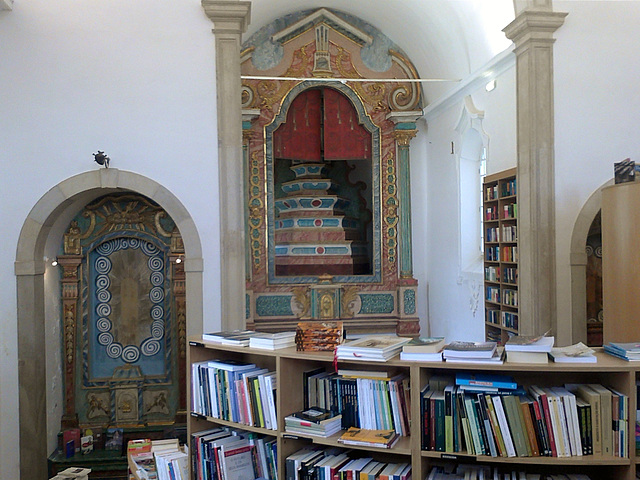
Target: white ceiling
x: 443, y: 38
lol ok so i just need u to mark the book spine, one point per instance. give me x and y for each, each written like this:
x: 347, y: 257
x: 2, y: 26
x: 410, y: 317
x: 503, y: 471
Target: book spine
x: 448, y: 419
x: 531, y: 432
x: 502, y: 451
x: 504, y: 426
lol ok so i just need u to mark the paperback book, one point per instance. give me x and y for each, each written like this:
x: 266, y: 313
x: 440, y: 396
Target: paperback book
x: 459, y: 349
x: 372, y: 348
x: 369, y: 438
x: 578, y: 353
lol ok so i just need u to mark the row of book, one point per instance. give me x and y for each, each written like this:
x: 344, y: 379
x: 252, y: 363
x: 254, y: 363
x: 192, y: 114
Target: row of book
x: 506, y: 233
x: 235, y: 391
x: 363, y: 398
x: 231, y: 454
x: 318, y: 463
x: 484, y: 415
x: 486, y: 472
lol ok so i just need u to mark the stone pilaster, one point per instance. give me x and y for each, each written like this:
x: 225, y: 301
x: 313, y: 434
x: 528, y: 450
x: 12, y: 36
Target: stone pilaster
x: 230, y: 19
x: 532, y: 33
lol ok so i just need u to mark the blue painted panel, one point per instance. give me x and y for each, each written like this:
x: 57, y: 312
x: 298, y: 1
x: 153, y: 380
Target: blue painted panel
x: 272, y: 306
x: 376, y: 303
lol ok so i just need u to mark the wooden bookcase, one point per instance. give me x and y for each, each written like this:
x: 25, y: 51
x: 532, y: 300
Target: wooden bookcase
x: 500, y: 217
x: 290, y: 365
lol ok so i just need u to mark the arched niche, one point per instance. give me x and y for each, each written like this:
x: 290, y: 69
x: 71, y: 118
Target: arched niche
x: 338, y: 53
x: 40, y: 236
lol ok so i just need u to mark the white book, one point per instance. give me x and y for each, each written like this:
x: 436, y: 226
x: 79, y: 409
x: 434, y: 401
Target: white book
x: 504, y: 425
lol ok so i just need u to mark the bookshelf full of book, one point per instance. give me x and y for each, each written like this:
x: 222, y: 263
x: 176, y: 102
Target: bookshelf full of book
x: 500, y: 223
x: 435, y: 420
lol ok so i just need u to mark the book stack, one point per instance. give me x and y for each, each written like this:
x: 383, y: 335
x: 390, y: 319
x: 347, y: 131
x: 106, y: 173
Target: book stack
x: 238, y: 338
x: 578, y: 353
x: 318, y: 336
x: 369, y: 438
x: 528, y: 349
x: 77, y: 473
x: 313, y: 421
x: 423, y: 349
x: 474, y: 352
x: 373, y: 348
x: 629, y: 351
x: 273, y: 341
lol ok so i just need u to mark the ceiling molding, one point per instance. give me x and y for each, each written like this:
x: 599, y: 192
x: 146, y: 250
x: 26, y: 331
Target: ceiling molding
x: 6, y: 4
x: 494, y: 68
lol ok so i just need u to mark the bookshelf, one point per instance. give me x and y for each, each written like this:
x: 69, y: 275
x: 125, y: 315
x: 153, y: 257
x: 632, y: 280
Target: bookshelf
x: 500, y: 219
x: 290, y: 366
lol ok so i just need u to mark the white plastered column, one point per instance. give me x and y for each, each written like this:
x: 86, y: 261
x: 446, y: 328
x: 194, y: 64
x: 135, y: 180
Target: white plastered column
x: 230, y: 19
x: 532, y: 33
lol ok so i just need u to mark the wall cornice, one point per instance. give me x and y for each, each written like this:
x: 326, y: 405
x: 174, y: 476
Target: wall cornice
x: 492, y: 69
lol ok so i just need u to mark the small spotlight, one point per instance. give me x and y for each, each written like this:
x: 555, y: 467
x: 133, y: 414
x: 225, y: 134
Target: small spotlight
x: 490, y: 86
x: 179, y: 260
x: 54, y: 262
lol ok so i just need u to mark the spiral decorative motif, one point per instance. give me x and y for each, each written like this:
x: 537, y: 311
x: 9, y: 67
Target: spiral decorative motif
x: 150, y: 347
x: 149, y: 249
x: 157, y: 312
x: 103, y: 310
x: 106, y: 248
x: 155, y: 263
x: 130, y: 353
x: 157, y: 329
x: 105, y: 338
x: 103, y: 325
x: 103, y: 295
x: 103, y: 265
x: 103, y: 281
x: 156, y: 279
x: 156, y: 294
x: 114, y: 350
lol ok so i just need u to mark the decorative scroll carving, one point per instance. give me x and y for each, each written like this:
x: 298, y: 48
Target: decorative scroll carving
x: 349, y: 298
x: 256, y: 209
x: 302, y: 299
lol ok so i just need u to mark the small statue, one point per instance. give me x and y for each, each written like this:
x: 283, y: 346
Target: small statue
x: 101, y: 158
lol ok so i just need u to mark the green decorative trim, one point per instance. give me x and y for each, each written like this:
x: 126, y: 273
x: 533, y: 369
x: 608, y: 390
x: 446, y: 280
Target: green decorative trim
x: 409, y: 302
x: 274, y: 306
x: 376, y: 303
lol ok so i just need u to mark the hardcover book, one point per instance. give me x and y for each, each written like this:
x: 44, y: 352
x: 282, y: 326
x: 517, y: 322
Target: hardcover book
x: 424, y: 345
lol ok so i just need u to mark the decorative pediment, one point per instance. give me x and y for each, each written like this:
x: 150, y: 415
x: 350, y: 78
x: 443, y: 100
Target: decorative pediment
x: 331, y: 20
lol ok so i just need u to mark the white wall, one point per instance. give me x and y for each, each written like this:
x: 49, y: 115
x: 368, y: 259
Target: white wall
x: 452, y: 295
x: 135, y: 79
x: 597, y: 108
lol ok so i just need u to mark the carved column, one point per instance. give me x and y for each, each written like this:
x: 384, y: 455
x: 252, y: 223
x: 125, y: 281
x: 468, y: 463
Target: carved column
x: 70, y: 280
x: 230, y: 20
x: 179, y: 287
x: 532, y: 32
x: 405, y: 130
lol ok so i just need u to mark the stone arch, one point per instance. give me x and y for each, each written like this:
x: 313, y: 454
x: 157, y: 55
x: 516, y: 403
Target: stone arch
x: 42, y: 228
x: 578, y: 260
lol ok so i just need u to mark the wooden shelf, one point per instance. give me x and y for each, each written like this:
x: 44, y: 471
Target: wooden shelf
x: 499, y: 200
x: 289, y: 366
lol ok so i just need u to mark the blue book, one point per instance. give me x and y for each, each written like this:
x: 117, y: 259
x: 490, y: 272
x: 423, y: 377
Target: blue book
x: 486, y: 380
